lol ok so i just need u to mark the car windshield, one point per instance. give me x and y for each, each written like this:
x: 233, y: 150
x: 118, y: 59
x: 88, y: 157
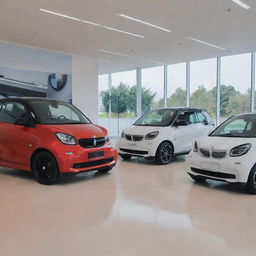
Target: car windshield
x: 160, y: 117
x: 57, y: 112
x: 237, y: 126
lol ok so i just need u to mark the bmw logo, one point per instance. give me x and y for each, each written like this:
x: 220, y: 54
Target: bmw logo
x: 57, y: 81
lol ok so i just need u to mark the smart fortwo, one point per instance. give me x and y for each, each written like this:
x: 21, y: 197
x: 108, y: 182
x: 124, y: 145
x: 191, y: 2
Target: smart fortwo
x: 163, y: 133
x: 227, y: 154
x: 51, y: 138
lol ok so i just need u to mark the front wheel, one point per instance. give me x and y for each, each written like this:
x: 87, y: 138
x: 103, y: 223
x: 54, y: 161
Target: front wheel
x: 251, y: 182
x: 164, y: 153
x: 45, y: 168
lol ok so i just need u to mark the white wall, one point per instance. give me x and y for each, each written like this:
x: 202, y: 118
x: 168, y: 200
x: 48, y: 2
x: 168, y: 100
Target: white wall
x: 23, y: 57
x: 85, y: 86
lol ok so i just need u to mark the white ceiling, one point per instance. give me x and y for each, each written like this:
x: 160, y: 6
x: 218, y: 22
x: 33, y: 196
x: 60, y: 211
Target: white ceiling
x: 220, y: 22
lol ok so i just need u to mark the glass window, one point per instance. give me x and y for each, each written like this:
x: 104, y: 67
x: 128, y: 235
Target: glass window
x: 203, y: 85
x: 235, y: 85
x: 11, y: 111
x: 176, y: 88
x: 104, y: 102
x: 123, y: 101
x: 152, y: 88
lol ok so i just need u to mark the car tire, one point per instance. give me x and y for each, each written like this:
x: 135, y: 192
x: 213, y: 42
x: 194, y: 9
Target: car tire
x: 125, y: 156
x: 164, y: 153
x: 197, y: 178
x: 45, y: 168
x: 105, y: 170
x: 251, y: 182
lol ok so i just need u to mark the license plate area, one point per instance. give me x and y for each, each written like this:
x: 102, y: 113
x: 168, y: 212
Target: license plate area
x: 95, y: 154
x: 211, y: 166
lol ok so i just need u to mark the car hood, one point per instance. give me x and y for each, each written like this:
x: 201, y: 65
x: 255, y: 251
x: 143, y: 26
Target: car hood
x: 223, y: 143
x: 81, y: 130
x: 141, y: 130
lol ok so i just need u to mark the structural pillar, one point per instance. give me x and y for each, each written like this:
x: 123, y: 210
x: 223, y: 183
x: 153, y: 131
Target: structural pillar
x: 138, y: 93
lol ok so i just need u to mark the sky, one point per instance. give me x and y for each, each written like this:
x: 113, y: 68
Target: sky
x: 235, y: 71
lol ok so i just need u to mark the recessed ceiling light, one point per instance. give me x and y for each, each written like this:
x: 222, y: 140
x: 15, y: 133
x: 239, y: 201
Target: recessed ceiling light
x: 242, y: 4
x: 116, y: 53
x: 206, y: 43
x: 90, y: 23
x: 143, y: 22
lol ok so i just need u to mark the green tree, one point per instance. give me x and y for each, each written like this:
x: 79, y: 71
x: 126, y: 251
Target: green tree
x: 178, y: 98
x: 123, y: 99
x: 119, y: 98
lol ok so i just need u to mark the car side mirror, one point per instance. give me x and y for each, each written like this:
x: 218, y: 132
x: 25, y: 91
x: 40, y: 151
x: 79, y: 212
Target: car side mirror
x: 205, y: 122
x: 181, y: 123
x: 24, y: 122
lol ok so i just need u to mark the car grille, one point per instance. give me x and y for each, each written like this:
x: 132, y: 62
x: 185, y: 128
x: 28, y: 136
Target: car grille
x: 93, y: 163
x: 222, y: 175
x: 215, y: 154
x: 132, y: 151
x: 205, y: 152
x: 218, y: 154
x: 92, y: 142
x: 134, y: 137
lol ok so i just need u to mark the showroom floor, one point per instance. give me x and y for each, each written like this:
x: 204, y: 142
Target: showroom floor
x: 138, y: 209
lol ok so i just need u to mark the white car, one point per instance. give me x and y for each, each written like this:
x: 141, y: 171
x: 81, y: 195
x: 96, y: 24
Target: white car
x: 163, y: 133
x: 227, y: 154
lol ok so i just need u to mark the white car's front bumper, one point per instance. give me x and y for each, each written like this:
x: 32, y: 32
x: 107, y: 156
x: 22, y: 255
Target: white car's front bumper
x: 145, y: 148
x: 230, y: 169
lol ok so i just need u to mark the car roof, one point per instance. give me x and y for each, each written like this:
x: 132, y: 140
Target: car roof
x: 180, y: 108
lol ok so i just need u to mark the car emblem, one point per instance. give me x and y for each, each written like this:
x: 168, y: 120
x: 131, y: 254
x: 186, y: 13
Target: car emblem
x: 94, y: 142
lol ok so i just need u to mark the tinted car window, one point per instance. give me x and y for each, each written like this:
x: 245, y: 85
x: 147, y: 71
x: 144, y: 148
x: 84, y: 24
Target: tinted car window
x: 11, y: 111
x: 159, y: 117
x: 188, y: 116
x: 201, y: 117
x: 208, y: 118
x: 57, y: 112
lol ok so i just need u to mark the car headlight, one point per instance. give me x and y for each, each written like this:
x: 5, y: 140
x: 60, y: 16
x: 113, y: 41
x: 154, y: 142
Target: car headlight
x: 195, y: 149
x: 66, y: 139
x: 240, y: 150
x: 151, y: 136
x: 122, y: 134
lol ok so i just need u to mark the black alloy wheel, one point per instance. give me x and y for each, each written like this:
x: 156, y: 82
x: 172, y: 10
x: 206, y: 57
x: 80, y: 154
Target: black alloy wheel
x: 164, y: 154
x: 45, y: 168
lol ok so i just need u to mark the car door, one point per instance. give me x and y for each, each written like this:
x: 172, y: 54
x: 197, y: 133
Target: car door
x: 15, y: 140
x: 184, y: 136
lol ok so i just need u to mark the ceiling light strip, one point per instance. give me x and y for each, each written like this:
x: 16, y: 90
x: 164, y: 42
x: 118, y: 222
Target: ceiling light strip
x: 242, y: 4
x: 144, y: 22
x: 116, y: 53
x: 206, y: 43
x: 90, y: 23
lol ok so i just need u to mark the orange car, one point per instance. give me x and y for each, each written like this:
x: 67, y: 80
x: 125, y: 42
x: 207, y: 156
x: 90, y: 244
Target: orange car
x: 51, y: 138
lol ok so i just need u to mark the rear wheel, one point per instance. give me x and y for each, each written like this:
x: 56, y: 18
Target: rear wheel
x: 164, y: 153
x: 125, y: 156
x: 45, y: 168
x: 197, y: 178
x: 251, y: 183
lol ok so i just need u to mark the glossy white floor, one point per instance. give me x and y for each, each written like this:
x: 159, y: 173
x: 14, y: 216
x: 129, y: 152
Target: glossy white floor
x: 138, y: 209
